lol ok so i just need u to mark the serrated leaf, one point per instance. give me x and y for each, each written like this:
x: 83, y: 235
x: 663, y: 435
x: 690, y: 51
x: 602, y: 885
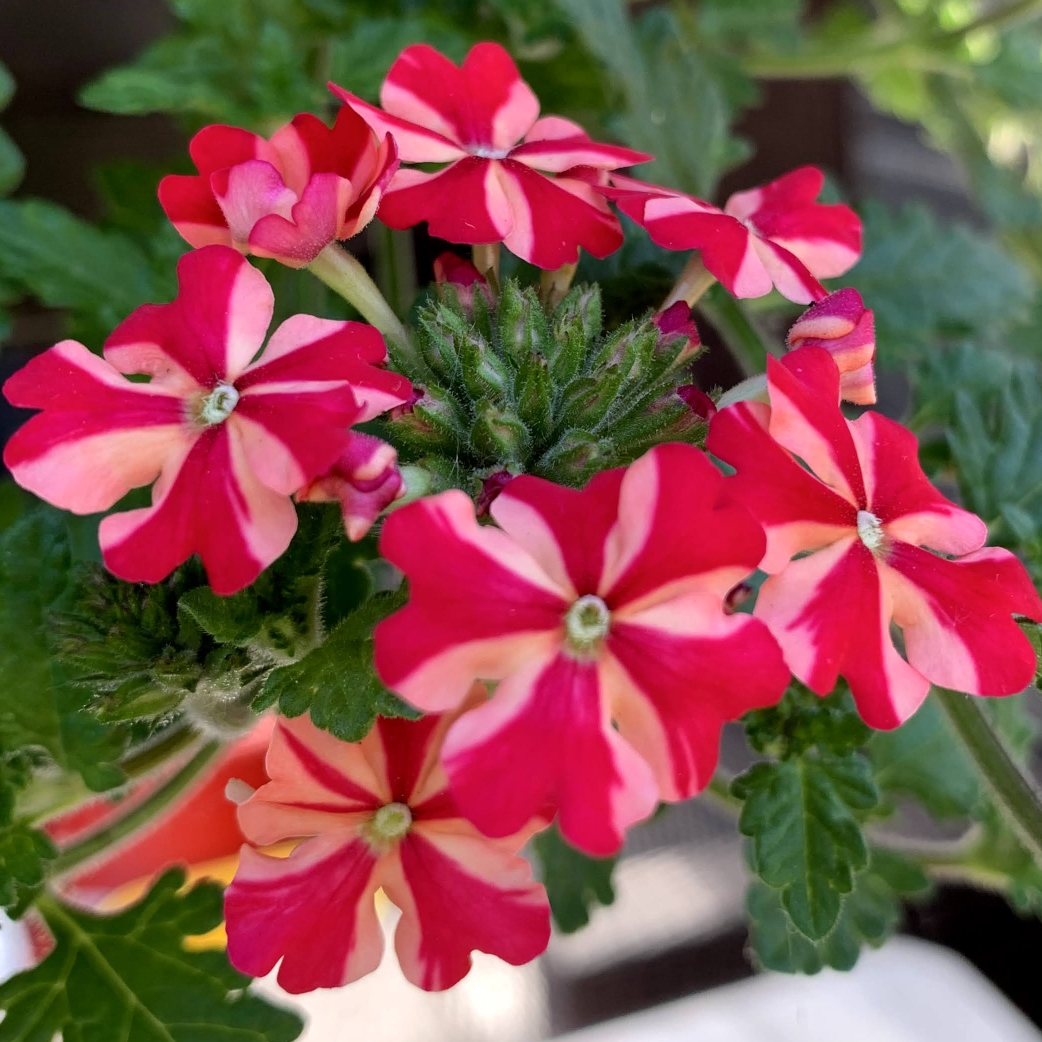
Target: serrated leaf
x: 869, y: 915
x: 229, y: 620
x: 575, y: 882
x: 806, y: 839
x: 336, y: 681
x: 924, y: 759
x: 24, y: 854
x: 129, y: 976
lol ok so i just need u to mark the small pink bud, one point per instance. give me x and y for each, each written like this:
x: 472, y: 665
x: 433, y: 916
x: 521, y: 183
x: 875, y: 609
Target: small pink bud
x: 490, y: 489
x: 407, y: 406
x: 698, y: 401
x: 846, y: 329
x: 676, y: 322
x: 450, y: 269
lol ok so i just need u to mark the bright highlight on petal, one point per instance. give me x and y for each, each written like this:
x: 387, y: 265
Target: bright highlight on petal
x: 226, y: 441
x: 846, y: 550
x: 590, y: 607
x: 369, y: 816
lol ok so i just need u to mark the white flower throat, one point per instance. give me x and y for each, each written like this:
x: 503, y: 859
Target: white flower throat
x: 870, y: 531
x: 219, y: 404
x: 587, y: 624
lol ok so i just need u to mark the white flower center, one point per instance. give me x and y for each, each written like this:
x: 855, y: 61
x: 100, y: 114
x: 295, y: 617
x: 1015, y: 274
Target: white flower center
x: 391, y: 821
x: 219, y: 404
x: 587, y: 624
x: 870, y: 530
x: 485, y: 152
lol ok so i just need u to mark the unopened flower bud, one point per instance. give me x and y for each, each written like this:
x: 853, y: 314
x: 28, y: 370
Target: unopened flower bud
x: 846, y: 329
x: 679, y: 337
x: 499, y: 433
x: 736, y: 597
x: 456, y: 274
x: 431, y: 421
x: 490, y: 489
x: 573, y: 459
x: 698, y: 401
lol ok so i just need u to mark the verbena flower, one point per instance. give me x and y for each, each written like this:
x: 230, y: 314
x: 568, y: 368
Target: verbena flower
x: 846, y: 329
x: 376, y: 814
x: 506, y: 177
x: 859, y: 518
x: 286, y: 198
x: 229, y: 435
x: 590, y: 607
x: 774, y: 236
x: 364, y: 480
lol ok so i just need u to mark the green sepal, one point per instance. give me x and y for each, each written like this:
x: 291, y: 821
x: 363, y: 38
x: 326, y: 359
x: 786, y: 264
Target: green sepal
x: 499, y: 434
x: 535, y: 396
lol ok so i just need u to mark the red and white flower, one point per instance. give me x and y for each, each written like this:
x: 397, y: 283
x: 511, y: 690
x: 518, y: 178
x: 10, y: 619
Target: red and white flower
x: 288, y: 197
x: 774, y: 236
x: 861, y: 515
x: 376, y: 814
x: 230, y: 436
x: 507, y: 174
x: 364, y: 480
x: 846, y: 329
x: 589, y: 607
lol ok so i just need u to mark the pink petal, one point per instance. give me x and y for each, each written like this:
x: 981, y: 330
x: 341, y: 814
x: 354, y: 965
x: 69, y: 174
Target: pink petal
x: 797, y: 511
x: 405, y: 755
x: 246, y: 193
x: 564, y: 530
x: 831, y: 615
x: 555, y: 145
x: 318, y: 785
x: 207, y: 501
x: 207, y: 334
x: 546, y: 737
x: 416, y: 144
x: 306, y: 146
x: 479, y: 604
x: 676, y: 532
x: 464, y: 203
x: 901, y: 496
x: 956, y: 617
x: 686, y: 668
x: 314, y: 910
x: 806, y: 420
x: 460, y: 893
x: 552, y: 218
x: 788, y: 273
x: 217, y: 147
x: 297, y: 238
x: 99, y: 435
x: 791, y: 191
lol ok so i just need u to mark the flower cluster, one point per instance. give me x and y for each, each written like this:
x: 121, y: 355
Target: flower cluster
x: 603, y: 618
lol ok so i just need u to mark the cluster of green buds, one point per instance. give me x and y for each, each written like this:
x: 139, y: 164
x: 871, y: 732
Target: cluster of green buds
x: 508, y: 385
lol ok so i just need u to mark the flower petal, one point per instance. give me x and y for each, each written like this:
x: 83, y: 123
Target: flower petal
x: 797, y: 511
x: 314, y: 910
x: 298, y: 237
x: 479, y: 604
x: 99, y: 435
x: 207, y: 334
x: 788, y: 273
x: 830, y: 612
x: 553, y: 717
x: 246, y: 193
x: 956, y: 617
x: 674, y: 532
x: 555, y: 145
x: 460, y: 893
x: 686, y: 669
x: 207, y: 501
x: 191, y: 208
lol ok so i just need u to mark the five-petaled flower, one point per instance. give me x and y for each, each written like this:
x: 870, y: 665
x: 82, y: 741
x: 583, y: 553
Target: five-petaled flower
x: 589, y: 606
x: 507, y: 174
x: 230, y: 436
x: 286, y: 198
x: 376, y: 814
x: 860, y: 516
x: 776, y: 235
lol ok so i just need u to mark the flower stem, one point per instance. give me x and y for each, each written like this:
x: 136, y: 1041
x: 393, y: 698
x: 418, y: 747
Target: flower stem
x: 141, y: 814
x: 554, y: 285
x: 694, y: 280
x: 1015, y: 796
x: 343, y: 274
x: 486, y: 259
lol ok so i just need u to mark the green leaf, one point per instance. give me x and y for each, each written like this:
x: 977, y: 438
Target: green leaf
x: 24, y: 854
x: 925, y: 760
x: 336, y: 681
x: 575, y: 882
x: 6, y: 86
x: 869, y: 915
x: 39, y: 707
x: 12, y: 164
x: 807, y: 841
x: 66, y: 263
x: 129, y: 976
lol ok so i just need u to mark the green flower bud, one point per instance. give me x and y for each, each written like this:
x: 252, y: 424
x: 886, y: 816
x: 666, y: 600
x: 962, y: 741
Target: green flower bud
x: 499, y: 434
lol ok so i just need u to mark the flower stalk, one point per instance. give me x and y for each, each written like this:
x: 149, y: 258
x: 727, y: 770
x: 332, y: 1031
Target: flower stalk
x: 554, y: 285
x: 693, y: 283
x: 486, y: 259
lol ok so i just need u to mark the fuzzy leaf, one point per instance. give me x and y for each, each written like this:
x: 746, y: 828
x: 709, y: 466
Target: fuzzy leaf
x: 807, y: 842
x: 575, y: 882
x: 24, y: 853
x: 129, y: 976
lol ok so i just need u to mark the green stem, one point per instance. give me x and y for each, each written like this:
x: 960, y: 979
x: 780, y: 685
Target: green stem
x: 554, y: 285
x: 343, y: 274
x: 718, y: 791
x: 485, y: 256
x: 141, y: 814
x: 695, y: 280
x: 1015, y: 796
x: 734, y: 325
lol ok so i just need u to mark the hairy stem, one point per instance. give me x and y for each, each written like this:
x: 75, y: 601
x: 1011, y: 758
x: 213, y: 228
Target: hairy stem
x: 141, y: 814
x: 693, y: 283
x: 343, y: 274
x: 486, y: 259
x: 1015, y: 795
